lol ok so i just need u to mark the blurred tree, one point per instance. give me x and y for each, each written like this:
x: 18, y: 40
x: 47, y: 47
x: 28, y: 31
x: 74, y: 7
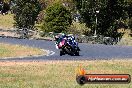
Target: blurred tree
x: 130, y: 23
x: 26, y: 12
x: 57, y: 18
x: 79, y: 29
x: 104, y: 15
x: 4, y: 6
x: 45, y: 3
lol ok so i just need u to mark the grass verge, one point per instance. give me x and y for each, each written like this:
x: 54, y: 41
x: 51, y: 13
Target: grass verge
x: 59, y: 74
x: 6, y: 21
x: 8, y: 50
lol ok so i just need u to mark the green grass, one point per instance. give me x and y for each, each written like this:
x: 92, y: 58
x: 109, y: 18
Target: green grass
x: 8, y: 50
x: 59, y: 74
x: 4, y: 51
x: 6, y: 21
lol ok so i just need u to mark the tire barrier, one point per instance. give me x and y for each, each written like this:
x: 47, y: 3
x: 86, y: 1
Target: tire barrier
x: 15, y: 33
x: 23, y: 34
x: 87, y: 39
x: 96, y: 40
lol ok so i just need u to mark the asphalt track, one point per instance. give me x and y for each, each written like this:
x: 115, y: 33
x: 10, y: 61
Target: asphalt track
x: 88, y: 51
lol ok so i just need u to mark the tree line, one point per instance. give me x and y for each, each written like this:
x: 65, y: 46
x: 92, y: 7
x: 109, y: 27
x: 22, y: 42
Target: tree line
x: 104, y: 16
x: 111, y: 15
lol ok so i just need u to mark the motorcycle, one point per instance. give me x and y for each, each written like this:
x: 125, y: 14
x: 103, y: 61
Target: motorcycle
x: 69, y: 47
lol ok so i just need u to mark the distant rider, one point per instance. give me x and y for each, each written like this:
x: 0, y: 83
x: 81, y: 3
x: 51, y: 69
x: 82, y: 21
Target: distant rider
x: 69, y: 38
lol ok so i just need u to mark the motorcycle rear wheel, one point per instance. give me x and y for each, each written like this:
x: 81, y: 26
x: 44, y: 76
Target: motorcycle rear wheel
x: 77, y: 53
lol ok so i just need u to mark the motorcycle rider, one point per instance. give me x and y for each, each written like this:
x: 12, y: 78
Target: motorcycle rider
x: 71, y: 40
x: 59, y: 38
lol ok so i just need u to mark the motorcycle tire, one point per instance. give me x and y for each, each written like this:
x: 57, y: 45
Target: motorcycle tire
x: 78, y: 49
x: 72, y: 54
x: 77, y: 53
x: 61, y: 53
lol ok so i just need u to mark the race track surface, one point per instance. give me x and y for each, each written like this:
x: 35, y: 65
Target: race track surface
x: 88, y: 51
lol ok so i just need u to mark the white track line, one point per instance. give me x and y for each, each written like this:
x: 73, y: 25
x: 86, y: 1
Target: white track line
x: 49, y: 53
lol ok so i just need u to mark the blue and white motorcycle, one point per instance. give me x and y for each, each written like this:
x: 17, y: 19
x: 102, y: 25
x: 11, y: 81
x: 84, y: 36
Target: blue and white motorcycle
x: 69, y: 46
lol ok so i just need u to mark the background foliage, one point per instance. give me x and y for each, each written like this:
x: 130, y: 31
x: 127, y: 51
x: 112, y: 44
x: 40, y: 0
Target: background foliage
x: 26, y: 12
x: 57, y: 18
x: 112, y: 15
x: 79, y: 29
